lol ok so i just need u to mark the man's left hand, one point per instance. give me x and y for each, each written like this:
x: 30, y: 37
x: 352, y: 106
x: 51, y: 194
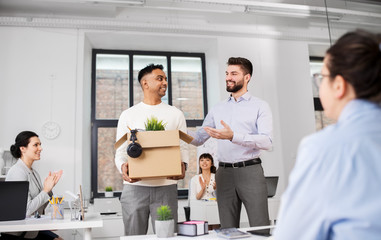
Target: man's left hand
x: 223, y: 133
x: 182, y: 173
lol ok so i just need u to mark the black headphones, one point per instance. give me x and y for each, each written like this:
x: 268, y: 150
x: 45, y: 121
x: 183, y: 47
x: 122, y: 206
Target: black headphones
x: 134, y: 149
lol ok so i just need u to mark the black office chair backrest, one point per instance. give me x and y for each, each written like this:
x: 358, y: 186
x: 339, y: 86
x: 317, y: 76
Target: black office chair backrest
x: 272, y: 183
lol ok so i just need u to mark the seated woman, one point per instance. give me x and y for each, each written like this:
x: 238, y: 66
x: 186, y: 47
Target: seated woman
x: 27, y: 149
x: 203, y: 185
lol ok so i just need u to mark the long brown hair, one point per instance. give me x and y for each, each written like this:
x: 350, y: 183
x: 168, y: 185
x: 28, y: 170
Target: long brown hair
x: 208, y: 156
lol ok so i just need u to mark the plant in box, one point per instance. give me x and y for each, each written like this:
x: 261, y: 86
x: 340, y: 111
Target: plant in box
x: 134, y: 149
x: 164, y: 224
x: 109, y: 192
x: 153, y: 124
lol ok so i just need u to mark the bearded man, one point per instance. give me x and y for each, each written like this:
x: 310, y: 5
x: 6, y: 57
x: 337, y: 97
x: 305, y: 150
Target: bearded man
x: 243, y: 126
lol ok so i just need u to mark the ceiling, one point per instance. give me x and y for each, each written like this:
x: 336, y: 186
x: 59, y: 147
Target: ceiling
x: 222, y: 17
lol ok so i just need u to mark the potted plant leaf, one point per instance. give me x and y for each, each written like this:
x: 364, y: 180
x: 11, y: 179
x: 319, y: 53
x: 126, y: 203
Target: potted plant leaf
x: 153, y: 124
x: 164, y: 224
x: 109, y: 192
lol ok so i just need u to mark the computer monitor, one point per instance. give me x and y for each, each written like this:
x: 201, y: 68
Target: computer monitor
x: 272, y: 183
x: 13, y: 200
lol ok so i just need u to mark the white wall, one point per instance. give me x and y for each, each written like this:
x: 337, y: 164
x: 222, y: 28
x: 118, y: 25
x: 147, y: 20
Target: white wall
x: 30, y: 60
x: 29, y: 56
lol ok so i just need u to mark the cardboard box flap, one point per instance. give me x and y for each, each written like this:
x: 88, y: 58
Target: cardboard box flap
x: 120, y: 141
x: 157, y: 138
x: 185, y: 137
x: 151, y: 139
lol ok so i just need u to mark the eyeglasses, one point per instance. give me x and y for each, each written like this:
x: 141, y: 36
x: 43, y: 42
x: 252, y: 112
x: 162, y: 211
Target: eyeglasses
x: 319, y: 77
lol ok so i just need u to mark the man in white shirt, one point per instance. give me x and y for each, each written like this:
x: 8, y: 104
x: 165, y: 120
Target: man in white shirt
x: 140, y: 198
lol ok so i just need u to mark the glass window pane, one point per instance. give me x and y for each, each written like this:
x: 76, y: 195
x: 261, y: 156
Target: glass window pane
x: 112, y: 93
x: 187, y: 91
x: 192, y: 166
x: 322, y: 121
x: 108, y: 175
x: 141, y: 61
x: 315, y: 68
x: 112, y: 97
x: 318, y: 120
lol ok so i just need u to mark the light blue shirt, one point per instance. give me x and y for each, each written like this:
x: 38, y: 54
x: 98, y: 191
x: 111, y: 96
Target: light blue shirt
x: 334, y: 189
x: 250, y: 119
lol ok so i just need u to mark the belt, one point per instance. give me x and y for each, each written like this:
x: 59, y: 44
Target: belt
x: 241, y: 164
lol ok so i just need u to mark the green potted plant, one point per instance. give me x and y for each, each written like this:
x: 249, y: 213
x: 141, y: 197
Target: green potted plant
x: 164, y: 224
x: 109, y: 192
x: 153, y: 124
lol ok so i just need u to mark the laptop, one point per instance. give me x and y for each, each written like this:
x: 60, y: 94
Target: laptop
x: 13, y: 200
x: 272, y: 183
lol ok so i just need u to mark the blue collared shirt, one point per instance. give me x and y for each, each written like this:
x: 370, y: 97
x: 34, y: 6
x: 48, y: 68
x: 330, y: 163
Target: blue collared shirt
x: 250, y: 119
x: 334, y: 189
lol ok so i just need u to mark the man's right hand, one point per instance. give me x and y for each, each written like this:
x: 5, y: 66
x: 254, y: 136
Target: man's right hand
x: 125, y: 174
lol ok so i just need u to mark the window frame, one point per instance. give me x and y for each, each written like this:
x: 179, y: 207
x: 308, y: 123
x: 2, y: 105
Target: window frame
x: 317, y: 103
x: 111, y: 123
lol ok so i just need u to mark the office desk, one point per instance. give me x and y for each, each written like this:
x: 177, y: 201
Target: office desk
x: 45, y: 223
x: 208, y: 211
x: 211, y: 235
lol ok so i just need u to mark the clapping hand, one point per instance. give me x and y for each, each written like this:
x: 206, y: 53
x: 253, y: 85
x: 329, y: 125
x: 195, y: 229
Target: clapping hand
x: 202, y: 183
x: 51, y: 180
x: 58, y: 176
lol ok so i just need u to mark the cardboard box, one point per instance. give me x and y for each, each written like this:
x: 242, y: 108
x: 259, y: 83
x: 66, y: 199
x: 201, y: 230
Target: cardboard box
x: 161, y: 155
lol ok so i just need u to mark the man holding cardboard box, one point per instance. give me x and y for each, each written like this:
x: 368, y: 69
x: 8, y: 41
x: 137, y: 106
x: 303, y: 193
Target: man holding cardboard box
x: 243, y: 125
x: 143, y: 193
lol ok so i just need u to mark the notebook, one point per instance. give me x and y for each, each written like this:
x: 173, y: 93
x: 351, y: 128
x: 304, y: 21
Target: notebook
x: 231, y: 233
x: 13, y: 200
x: 272, y: 183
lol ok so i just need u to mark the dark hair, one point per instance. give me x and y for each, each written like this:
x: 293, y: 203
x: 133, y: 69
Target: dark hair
x: 244, y: 63
x: 22, y: 140
x: 148, y: 69
x: 207, y: 155
x: 356, y: 56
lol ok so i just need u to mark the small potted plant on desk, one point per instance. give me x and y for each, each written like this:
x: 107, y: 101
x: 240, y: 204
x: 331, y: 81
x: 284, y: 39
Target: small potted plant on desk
x: 164, y: 225
x: 109, y: 192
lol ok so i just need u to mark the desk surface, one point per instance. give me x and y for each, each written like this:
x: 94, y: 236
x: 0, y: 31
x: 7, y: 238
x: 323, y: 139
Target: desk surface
x: 211, y: 235
x: 208, y: 211
x: 46, y: 223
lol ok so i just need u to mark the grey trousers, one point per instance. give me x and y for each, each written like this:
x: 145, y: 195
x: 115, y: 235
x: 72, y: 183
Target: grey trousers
x: 138, y: 202
x: 245, y: 185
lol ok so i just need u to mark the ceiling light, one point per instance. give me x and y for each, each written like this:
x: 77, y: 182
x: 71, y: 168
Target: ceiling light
x: 120, y: 2
x: 294, y: 14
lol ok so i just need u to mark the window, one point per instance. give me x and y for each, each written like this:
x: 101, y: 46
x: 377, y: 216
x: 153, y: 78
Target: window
x: 316, y: 64
x: 115, y: 88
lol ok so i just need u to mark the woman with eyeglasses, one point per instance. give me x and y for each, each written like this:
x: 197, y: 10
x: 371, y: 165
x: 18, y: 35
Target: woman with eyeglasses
x: 334, y: 189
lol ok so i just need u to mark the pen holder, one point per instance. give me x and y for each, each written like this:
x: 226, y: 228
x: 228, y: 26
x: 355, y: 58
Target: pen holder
x: 57, y: 211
